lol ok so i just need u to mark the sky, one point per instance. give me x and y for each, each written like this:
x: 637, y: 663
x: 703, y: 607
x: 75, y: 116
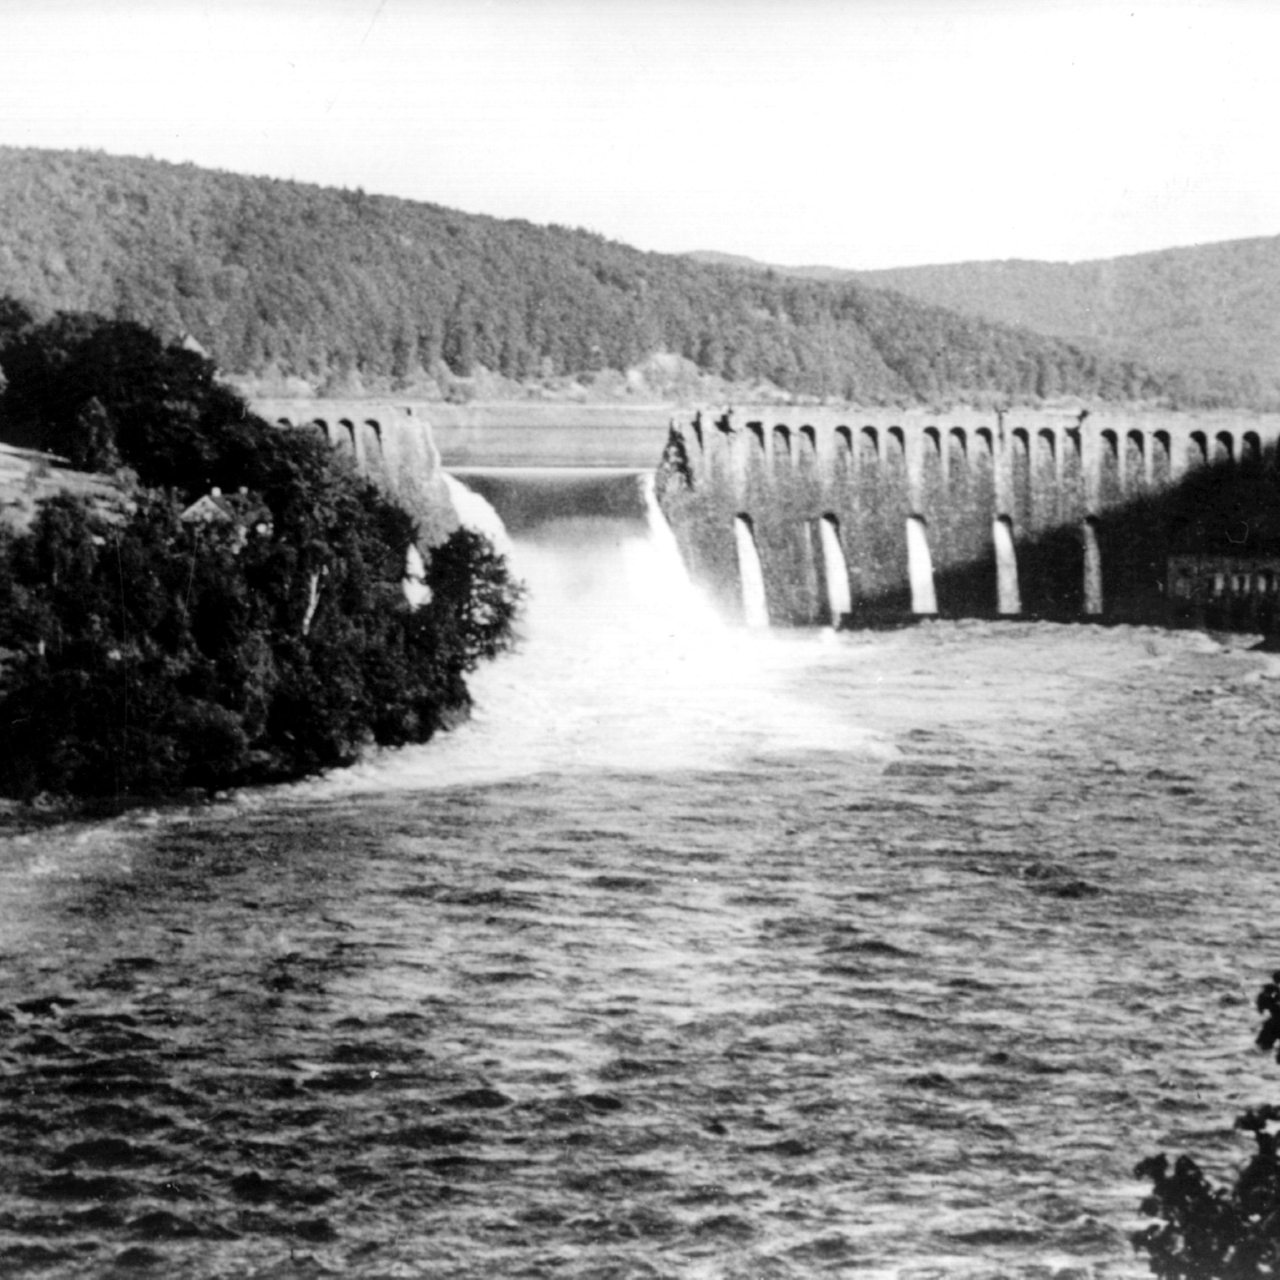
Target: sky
x: 851, y: 133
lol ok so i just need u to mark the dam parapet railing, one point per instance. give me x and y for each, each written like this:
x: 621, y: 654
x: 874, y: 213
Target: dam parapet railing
x: 1026, y: 511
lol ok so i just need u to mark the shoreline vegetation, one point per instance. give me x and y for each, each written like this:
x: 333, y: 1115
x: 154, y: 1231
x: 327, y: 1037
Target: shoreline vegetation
x: 223, y: 603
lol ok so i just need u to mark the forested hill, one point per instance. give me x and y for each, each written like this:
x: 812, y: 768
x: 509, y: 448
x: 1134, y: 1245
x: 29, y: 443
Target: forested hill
x: 278, y: 279
x: 1203, y: 307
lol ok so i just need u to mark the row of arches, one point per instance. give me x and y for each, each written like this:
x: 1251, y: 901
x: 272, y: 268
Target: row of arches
x: 1107, y: 462
x: 359, y: 437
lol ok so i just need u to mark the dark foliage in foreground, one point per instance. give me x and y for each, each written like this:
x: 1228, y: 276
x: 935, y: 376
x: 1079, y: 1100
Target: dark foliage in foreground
x: 140, y: 654
x: 285, y: 278
x: 1220, y: 1233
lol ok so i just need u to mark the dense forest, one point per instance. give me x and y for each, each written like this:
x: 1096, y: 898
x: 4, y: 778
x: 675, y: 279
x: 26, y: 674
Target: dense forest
x: 143, y: 651
x: 341, y: 290
x: 1209, y: 312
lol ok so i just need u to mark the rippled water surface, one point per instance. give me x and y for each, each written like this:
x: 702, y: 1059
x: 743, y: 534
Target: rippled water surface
x: 695, y: 954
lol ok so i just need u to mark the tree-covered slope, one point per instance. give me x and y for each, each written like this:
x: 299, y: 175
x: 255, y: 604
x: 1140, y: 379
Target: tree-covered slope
x: 238, y: 612
x: 1207, y: 306
x: 1210, y: 312
x: 275, y: 277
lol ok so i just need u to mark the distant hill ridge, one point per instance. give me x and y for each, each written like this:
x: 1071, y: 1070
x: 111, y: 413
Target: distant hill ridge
x: 1209, y: 307
x: 295, y: 287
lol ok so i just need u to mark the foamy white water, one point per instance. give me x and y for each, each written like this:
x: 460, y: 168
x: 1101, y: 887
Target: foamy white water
x: 475, y: 513
x: 622, y: 663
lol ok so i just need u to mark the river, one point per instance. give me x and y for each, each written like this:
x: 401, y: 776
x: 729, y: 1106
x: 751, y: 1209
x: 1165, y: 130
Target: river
x: 698, y: 952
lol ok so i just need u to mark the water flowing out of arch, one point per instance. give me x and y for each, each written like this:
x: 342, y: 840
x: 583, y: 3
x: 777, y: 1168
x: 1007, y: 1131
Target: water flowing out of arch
x: 1092, y: 569
x: 924, y: 598
x: 685, y: 597
x: 755, y: 603
x: 477, y: 513
x: 835, y: 570
x: 1008, y: 595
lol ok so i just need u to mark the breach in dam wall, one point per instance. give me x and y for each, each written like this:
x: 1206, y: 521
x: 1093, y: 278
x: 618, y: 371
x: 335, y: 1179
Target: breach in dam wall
x: 390, y: 445
x: 861, y: 515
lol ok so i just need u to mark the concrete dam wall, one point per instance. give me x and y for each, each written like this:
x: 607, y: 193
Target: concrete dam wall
x: 390, y: 445
x: 866, y: 515
x: 860, y: 516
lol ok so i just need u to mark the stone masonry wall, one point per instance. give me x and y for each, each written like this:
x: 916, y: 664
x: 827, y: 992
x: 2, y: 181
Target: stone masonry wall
x: 1077, y: 494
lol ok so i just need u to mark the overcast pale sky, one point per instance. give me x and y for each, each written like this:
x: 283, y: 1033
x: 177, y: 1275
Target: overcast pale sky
x: 857, y: 133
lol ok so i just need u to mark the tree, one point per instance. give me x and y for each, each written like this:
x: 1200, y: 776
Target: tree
x: 1220, y: 1233
x: 141, y: 654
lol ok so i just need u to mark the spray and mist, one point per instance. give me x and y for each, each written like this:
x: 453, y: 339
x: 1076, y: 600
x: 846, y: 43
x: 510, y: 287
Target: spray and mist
x: 621, y: 661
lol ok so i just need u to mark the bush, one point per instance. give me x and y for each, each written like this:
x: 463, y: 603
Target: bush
x: 1220, y: 1233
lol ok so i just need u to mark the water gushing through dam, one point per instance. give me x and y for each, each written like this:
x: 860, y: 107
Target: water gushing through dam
x: 835, y: 570
x: 700, y: 950
x: 755, y: 600
x: 924, y: 599
x: 1008, y: 594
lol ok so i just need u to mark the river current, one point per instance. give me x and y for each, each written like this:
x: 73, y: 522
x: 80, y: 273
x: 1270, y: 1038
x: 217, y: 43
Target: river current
x: 697, y: 952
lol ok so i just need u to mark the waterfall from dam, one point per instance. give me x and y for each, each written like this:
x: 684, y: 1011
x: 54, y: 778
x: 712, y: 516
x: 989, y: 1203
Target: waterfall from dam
x: 924, y: 598
x: 592, y: 545
x: 835, y: 570
x: 620, y: 661
x: 1092, y: 568
x: 1008, y: 596
x: 755, y: 601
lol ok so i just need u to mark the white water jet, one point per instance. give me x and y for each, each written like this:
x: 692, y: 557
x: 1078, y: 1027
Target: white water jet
x: 755, y: 601
x: 1008, y: 595
x: 686, y: 603
x: 619, y: 663
x: 1092, y: 569
x: 835, y: 570
x: 475, y: 513
x: 924, y: 599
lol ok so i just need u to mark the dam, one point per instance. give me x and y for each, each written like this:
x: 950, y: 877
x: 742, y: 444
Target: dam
x: 858, y: 516
x: 817, y: 515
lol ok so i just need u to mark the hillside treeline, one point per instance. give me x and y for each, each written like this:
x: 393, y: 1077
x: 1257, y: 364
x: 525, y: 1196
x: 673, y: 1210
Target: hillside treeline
x: 1209, y: 313
x: 144, y: 651
x: 276, y: 278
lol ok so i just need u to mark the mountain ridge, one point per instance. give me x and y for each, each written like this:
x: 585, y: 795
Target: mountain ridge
x: 1209, y: 306
x: 298, y: 288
